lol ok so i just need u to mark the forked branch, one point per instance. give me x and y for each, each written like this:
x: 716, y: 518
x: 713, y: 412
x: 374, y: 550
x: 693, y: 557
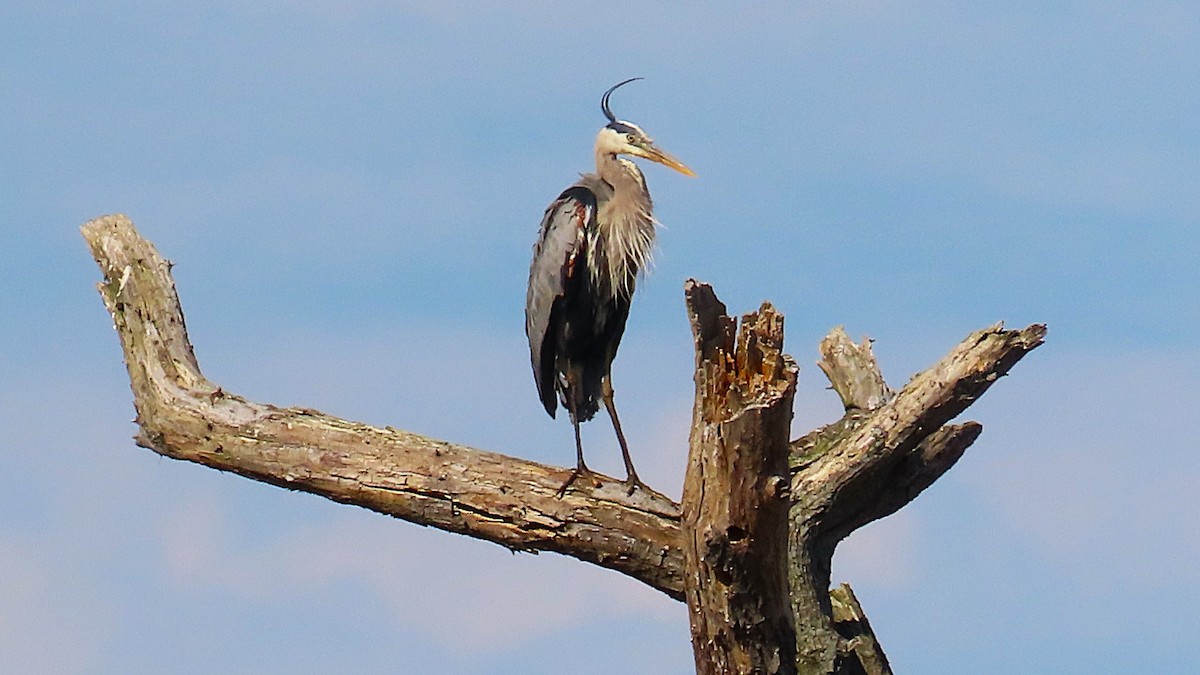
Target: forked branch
x: 884, y: 451
x: 763, y: 515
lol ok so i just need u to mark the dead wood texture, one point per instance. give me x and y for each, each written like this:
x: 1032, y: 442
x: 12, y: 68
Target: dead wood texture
x: 750, y: 548
x: 430, y: 482
x: 734, y: 501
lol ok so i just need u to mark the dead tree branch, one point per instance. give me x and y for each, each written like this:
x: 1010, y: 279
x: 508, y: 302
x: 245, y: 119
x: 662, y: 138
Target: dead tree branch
x: 877, y: 458
x: 502, y: 499
x: 734, y: 493
x: 750, y: 548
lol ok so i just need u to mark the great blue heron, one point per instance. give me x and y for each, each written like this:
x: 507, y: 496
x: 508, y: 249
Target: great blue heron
x: 594, y: 240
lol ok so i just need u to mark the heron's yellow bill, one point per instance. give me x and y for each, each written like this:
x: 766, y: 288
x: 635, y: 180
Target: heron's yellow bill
x: 655, y: 155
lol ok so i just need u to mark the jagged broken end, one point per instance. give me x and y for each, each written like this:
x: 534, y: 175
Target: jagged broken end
x: 737, y: 364
x: 877, y: 459
x: 712, y: 327
x: 140, y: 294
x: 852, y: 371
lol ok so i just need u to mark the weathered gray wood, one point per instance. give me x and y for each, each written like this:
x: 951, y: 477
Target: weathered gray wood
x: 872, y: 462
x: 763, y: 516
x: 853, y: 372
x: 852, y: 625
x: 486, y: 495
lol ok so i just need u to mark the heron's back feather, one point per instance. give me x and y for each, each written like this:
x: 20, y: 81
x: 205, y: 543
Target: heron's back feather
x: 575, y: 315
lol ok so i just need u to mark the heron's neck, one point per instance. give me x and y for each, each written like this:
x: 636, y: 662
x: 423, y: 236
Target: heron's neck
x: 625, y: 225
x: 623, y: 175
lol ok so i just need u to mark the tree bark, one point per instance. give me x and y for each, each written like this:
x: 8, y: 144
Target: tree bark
x: 734, y: 493
x: 485, y: 495
x: 874, y: 461
x: 750, y: 548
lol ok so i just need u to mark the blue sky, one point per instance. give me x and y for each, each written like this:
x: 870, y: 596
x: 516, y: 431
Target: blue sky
x: 350, y: 190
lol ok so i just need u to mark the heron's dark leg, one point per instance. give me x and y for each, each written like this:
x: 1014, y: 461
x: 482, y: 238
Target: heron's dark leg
x: 579, y: 465
x: 631, y: 477
x: 581, y: 469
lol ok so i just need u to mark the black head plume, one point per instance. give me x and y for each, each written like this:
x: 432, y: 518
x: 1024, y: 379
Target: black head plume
x: 604, y: 100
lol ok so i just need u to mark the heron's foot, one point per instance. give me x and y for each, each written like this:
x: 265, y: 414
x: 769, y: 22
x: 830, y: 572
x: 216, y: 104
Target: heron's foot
x: 632, y: 482
x: 577, y: 473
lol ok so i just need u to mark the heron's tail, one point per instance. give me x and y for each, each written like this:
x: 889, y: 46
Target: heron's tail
x: 586, y: 393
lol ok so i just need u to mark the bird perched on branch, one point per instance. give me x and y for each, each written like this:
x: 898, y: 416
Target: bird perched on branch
x: 594, y: 240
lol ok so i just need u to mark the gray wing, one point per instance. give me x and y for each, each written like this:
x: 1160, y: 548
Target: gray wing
x: 557, y: 256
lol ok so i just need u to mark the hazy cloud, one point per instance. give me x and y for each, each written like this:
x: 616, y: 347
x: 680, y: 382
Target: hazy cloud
x: 471, y: 594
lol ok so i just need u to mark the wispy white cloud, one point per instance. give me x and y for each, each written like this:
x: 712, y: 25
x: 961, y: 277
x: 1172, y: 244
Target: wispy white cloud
x: 469, y: 594
x: 1095, y: 469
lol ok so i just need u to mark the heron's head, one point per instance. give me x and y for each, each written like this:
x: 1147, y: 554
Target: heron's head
x: 619, y: 137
